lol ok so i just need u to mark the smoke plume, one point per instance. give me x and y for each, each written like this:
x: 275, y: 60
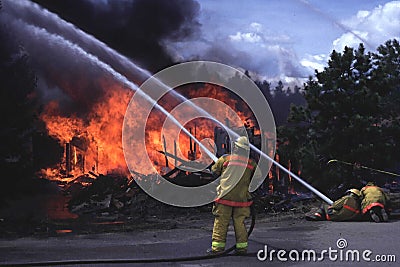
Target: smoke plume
x: 113, y: 31
x: 136, y: 28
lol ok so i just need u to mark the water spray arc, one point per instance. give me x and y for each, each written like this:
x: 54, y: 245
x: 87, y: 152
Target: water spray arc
x: 131, y: 85
x: 122, y: 79
x: 262, y: 154
x: 235, y: 135
x: 42, y: 33
x: 75, y: 34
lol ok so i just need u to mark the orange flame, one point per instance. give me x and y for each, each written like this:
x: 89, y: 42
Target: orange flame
x: 101, y: 128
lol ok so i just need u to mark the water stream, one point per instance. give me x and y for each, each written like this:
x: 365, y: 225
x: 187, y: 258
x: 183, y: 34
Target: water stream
x: 42, y: 34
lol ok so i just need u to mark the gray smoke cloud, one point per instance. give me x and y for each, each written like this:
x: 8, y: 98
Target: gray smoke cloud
x: 72, y: 79
x: 65, y: 74
x: 256, y: 51
x: 137, y: 29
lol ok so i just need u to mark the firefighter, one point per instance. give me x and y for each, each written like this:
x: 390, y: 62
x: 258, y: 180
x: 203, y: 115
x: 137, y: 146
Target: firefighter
x: 374, y: 202
x: 346, y: 208
x: 233, y: 198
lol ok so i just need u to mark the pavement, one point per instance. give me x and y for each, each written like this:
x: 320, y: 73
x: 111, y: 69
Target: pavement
x: 291, y: 239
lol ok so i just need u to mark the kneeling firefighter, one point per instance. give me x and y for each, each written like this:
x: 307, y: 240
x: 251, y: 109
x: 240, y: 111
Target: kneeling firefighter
x: 375, y: 202
x: 346, y: 208
x: 233, y: 198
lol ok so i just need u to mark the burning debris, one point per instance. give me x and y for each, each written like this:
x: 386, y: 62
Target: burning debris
x: 85, y: 104
x: 93, y: 142
x: 114, y: 196
x: 111, y: 198
x: 101, y: 194
x: 84, y: 160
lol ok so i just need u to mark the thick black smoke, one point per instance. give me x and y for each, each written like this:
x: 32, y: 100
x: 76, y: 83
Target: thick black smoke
x: 135, y: 28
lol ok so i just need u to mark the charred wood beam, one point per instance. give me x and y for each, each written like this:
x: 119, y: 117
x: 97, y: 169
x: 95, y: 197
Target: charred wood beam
x: 186, y: 165
x: 165, y: 151
x: 92, y: 173
x: 191, y: 142
x: 171, y: 172
x: 195, y: 144
x: 68, y: 165
x: 174, y: 157
x: 175, y: 153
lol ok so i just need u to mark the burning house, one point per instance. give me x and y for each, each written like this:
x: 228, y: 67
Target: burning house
x: 84, y: 92
x: 93, y: 144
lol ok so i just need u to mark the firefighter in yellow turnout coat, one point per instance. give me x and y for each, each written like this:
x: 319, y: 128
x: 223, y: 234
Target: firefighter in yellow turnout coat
x: 233, y: 197
x: 374, y: 202
x: 347, y: 208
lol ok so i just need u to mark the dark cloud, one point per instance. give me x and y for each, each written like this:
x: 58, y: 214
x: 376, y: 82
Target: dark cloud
x: 64, y: 70
x: 65, y: 59
x: 135, y: 28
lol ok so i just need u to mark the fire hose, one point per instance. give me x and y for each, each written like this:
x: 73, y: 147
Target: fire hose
x: 156, y: 260
x: 363, y: 167
x: 132, y: 261
x: 179, y: 259
x: 159, y: 260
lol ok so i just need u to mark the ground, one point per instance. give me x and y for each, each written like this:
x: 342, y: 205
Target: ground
x: 41, y: 229
x: 191, y: 237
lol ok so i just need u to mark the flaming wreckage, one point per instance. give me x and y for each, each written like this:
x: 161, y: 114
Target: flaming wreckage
x: 107, y: 196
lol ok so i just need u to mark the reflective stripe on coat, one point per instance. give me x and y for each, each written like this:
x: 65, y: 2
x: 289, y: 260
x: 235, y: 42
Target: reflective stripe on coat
x: 235, y: 172
x: 372, y: 196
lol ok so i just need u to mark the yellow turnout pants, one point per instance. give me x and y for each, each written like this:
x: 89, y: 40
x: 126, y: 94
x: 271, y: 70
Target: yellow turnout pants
x: 223, y: 215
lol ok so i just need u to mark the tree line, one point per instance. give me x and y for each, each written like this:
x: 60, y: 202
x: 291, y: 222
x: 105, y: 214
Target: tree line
x: 349, y: 111
x: 352, y: 113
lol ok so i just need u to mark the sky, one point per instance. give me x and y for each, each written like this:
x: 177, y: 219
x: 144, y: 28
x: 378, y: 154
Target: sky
x: 273, y: 39
x: 288, y: 39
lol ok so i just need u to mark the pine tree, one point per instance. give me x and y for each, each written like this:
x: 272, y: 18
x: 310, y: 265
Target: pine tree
x: 17, y: 109
x: 352, y: 114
